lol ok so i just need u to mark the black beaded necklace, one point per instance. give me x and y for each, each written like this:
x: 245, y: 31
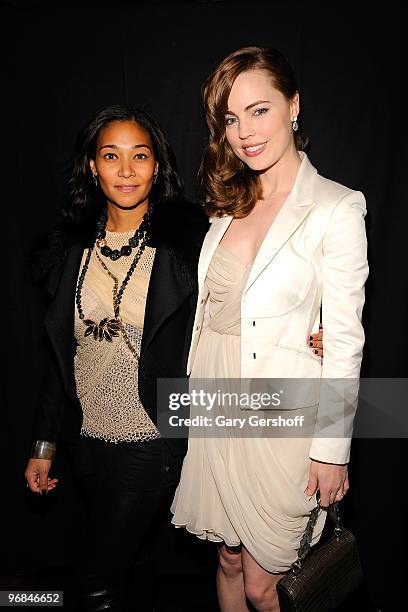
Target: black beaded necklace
x: 126, y: 250
x: 108, y: 328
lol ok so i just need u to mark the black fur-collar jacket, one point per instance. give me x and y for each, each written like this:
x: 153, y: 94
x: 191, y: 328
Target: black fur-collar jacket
x: 177, y: 231
x: 179, y: 225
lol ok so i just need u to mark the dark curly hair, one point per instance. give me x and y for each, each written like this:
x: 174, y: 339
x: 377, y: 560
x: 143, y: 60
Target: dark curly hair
x: 84, y: 200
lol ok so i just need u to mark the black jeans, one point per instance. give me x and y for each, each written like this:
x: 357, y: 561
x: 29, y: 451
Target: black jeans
x: 127, y: 489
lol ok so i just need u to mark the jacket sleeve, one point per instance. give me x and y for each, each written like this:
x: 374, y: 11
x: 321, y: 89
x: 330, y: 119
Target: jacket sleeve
x: 50, y: 403
x: 49, y: 397
x: 345, y: 271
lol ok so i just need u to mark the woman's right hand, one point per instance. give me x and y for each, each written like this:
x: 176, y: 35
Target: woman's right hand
x: 36, y: 474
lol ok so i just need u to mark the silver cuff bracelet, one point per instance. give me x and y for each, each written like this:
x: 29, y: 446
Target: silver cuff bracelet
x: 42, y: 449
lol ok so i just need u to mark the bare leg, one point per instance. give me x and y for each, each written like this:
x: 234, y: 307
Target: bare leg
x: 260, y: 585
x: 230, y: 581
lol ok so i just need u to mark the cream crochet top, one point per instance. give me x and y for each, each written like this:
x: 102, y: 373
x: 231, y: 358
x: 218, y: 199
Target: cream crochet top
x: 106, y: 373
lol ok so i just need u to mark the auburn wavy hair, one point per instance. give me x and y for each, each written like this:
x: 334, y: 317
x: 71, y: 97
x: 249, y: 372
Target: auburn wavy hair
x: 229, y: 186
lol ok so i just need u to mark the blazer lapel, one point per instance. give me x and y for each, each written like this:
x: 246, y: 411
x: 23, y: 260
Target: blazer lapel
x: 219, y: 226
x: 59, y: 320
x: 297, y: 207
x: 168, y: 289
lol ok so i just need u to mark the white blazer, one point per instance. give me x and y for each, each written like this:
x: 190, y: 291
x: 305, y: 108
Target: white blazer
x: 314, y: 253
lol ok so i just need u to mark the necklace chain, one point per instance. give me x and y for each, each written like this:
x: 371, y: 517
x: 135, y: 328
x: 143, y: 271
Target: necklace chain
x: 126, y: 250
x: 110, y: 327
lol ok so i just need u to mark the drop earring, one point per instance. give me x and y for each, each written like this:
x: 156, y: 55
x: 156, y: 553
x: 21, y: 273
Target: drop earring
x: 295, y: 125
x: 155, y: 178
x: 95, y: 178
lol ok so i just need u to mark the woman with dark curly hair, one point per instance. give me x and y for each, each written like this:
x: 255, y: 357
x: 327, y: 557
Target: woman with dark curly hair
x: 120, y: 276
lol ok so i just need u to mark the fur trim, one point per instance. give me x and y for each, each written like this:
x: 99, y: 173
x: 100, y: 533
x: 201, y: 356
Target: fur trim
x: 47, y: 258
x: 178, y: 224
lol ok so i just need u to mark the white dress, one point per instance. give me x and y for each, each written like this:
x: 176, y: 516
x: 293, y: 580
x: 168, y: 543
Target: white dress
x: 241, y: 489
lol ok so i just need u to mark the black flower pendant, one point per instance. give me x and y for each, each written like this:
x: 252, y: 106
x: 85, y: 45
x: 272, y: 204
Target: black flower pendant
x: 105, y: 329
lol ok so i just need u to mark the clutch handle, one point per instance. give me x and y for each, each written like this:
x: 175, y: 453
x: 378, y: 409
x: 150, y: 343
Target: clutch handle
x: 306, y: 539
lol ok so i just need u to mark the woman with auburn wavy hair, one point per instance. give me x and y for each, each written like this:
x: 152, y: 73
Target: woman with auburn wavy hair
x: 284, y: 245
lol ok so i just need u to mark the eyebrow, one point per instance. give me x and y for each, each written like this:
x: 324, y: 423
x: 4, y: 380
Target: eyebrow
x: 249, y: 106
x: 113, y: 146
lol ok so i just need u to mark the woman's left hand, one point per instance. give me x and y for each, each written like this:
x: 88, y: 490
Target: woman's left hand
x: 331, y: 480
x: 315, y: 341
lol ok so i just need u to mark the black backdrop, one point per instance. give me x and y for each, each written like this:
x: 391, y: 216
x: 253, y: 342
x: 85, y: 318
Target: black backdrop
x: 64, y: 64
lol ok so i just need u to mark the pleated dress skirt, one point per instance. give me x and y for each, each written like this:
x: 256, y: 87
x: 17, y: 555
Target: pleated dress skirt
x: 235, y: 489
